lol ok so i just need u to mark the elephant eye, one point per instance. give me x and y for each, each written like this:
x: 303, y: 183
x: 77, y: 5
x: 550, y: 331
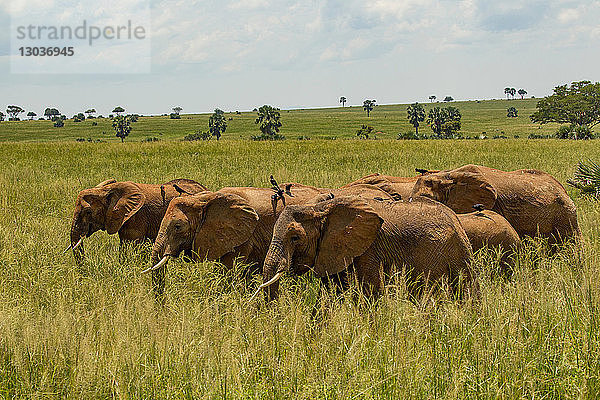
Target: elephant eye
x: 295, y: 238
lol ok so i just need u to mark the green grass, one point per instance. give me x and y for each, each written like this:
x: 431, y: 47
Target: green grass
x: 485, y: 116
x: 95, y: 331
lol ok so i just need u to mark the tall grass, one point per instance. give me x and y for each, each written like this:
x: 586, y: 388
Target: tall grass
x: 96, y: 332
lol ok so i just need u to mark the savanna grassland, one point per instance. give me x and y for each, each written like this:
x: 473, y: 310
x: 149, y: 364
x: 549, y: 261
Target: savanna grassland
x: 96, y: 332
x: 477, y: 117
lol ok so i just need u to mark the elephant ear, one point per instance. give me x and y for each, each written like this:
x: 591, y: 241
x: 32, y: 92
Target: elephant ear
x: 228, y: 221
x: 349, y: 228
x: 467, y: 189
x: 124, y: 200
x: 106, y: 182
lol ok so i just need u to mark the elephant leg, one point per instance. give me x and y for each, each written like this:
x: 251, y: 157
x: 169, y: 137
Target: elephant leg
x: 369, y: 273
x: 339, y: 281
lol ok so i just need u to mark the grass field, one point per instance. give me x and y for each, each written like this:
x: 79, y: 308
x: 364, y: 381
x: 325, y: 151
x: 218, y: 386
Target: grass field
x: 95, y: 331
x: 486, y: 116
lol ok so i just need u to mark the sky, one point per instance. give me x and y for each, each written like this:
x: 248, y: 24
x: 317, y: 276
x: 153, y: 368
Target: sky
x: 238, y: 55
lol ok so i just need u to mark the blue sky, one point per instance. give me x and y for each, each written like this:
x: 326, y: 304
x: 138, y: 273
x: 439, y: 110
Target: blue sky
x: 237, y: 55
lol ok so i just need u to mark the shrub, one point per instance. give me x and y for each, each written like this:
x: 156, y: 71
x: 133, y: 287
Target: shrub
x: 150, y: 139
x: 581, y: 132
x: 364, y: 131
x: 263, y: 137
x: 174, y: 116
x: 94, y: 123
x: 59, y: 123
x: 408, y: 136
x: 197, y: 136
x: 303, y: 137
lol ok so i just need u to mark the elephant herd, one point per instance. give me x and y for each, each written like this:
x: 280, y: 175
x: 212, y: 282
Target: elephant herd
x: 428, y: 224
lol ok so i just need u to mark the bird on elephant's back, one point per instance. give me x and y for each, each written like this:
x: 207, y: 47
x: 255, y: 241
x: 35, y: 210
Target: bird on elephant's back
x: 365, y: 235
x: 133, y: 210
x: 533, y: 202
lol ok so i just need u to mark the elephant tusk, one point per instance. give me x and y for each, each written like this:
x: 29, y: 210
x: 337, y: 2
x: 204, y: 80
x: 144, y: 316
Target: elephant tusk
x: 79, y: 243
x: 157, y: 266
x: 67, y: 249
x: 267, y: 284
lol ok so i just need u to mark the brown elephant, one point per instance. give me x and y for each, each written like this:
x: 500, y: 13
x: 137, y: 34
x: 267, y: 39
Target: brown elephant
x: 133, y: 210
x: 234, y: 222
x: 532, y: 201
x: 335, y: 233
x: 400, y: 187
x: 486, y: 228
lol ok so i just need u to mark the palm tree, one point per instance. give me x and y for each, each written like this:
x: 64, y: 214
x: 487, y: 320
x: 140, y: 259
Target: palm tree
x: 343, y: 101
x: 522, y: 93
x: 368, y: 106
x: 587, y: 178
x: 416, y: 114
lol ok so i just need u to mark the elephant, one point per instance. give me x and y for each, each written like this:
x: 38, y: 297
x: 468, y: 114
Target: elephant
x: 488, y: 229
x: 133, y: 210
x: 401, y: 187
x: 234, y: 222
x: 532, y: 201
x: 350, y: 233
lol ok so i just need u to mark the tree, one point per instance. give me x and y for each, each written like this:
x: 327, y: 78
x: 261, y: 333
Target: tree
x: 448, y: 99
x: 507, y: 92
x: 79, y: 117
x: 217, y: 124
x: 451, y: 124
x: 368, y: 106
x: 512, y: 112
x: 577, y: 105
x: 435, y: 120
x: 177, y: 110
x: 432, y: 98
x: 522, y: 93
x: 1, y: 116
x: 31, y: 114
x: 444, y: 122
x: 90, y: 112
x: 118, y: 110
x: 13, y: 112
x: 51, y: 113
x: 269, y: 121
x: 343, y: 101
x: 122, y: 126
x: 416, y: 115
x: 364, y: 131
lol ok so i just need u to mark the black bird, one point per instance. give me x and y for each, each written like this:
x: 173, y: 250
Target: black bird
x: 179, y: 190
x: 421, y: 171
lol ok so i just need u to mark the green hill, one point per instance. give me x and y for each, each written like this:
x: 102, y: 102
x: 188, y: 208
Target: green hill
x: 487, y: 116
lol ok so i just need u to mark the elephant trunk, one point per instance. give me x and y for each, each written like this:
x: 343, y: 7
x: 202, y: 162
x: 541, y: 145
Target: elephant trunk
x: 77, y: 236
x: 275, y: 264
